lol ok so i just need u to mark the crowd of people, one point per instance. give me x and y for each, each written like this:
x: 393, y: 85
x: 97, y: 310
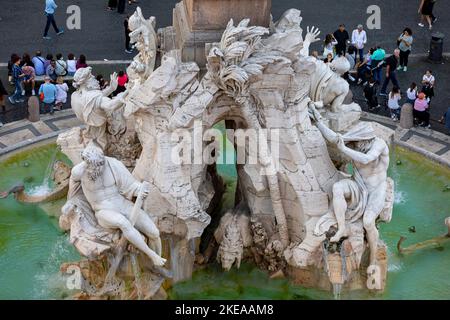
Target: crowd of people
x: 367, y: 68
x: 24, y: 72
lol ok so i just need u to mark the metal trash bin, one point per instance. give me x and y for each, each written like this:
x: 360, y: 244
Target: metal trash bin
x: 436, y: 47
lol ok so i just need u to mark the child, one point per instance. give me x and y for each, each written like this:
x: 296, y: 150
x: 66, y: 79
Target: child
x: 61, y: 93
x: 394, y: 107
x: 420, y: 111
x: 411, y: 93
x: 370, y: 93
x: 30, y: 75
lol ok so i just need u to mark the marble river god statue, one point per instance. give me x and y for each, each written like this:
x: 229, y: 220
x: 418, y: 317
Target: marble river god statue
x: 306, y: 208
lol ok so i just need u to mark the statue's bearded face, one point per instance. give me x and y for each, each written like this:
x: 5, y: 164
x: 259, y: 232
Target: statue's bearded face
x: 95, y: 170
x: 95, y: 161
x: 92, y: 84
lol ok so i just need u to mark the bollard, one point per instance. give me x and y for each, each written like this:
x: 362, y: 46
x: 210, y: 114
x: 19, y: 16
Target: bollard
x: 33, y: 109
x: 406, y: 116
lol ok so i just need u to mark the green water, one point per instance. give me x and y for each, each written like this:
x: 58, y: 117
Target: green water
x: 420, y: 201
x: 32, y: 247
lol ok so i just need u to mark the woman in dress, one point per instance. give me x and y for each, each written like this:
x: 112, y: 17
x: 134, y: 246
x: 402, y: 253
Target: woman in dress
x: 426, y: 10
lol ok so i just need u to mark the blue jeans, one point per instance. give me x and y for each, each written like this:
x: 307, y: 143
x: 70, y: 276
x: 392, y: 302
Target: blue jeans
x: 361, y: 54
x: 395, y: 112
x: 392, y: 77
x: 50, y: 21
x: 17, y: 95
x: 376, y: 71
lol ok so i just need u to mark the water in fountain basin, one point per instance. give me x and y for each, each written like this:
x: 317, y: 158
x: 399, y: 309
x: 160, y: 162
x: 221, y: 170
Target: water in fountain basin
x: 32, y: 247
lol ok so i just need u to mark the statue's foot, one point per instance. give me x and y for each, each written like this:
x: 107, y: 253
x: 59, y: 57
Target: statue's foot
x: 339, y: 235
x: 158, y: 261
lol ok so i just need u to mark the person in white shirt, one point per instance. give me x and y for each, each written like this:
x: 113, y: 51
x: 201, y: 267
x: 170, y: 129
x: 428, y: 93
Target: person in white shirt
x: 71, y: 65
x: 411, y: 93
x: 329, y: 44
x: 428, y: 82
x: 61, y: 93
x: 359, y: 39
x: 394, y: 106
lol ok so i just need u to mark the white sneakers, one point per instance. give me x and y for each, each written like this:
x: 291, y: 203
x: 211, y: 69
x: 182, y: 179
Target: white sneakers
x: 421, y: 25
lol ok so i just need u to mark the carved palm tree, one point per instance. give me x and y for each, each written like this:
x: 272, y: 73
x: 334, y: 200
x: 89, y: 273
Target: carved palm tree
x: 240, y: 57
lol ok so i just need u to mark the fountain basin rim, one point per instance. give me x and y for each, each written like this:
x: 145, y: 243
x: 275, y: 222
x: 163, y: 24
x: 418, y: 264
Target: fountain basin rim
x: 39, y: 141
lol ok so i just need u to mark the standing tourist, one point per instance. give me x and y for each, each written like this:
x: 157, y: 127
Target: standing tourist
x: 39, y: 64
x: 50, y: 7
x: 404, y: 44
x: 426, y: 11
x: 420, y: 111
x: 10, y: 68
x: 81, y: 62
x: 394, y: 106
x: 71, y: 65
x: 47, y: 95
x: 428, y: 82
x: 370, y: 93
x: 342, y: 38
x: 128, y: 48
x: 359, y: 39
x: 328, y: 45
x: 391, y: 72
x: 121, y: 6
x: 17, y: 77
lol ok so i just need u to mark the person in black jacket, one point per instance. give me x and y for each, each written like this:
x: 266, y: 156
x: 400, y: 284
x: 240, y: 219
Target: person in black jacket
x: 370, y: 93
x: 342, y: 37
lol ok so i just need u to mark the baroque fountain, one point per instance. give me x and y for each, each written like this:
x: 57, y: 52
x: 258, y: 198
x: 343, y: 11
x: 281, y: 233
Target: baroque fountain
x: 144, y: 194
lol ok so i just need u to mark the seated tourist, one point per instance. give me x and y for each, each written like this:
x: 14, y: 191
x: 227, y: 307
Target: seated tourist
x: 30, y: 76
x: 71, y: 65
x: 39, y: 64
x: 61, y: 93
x: 61, y: 66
